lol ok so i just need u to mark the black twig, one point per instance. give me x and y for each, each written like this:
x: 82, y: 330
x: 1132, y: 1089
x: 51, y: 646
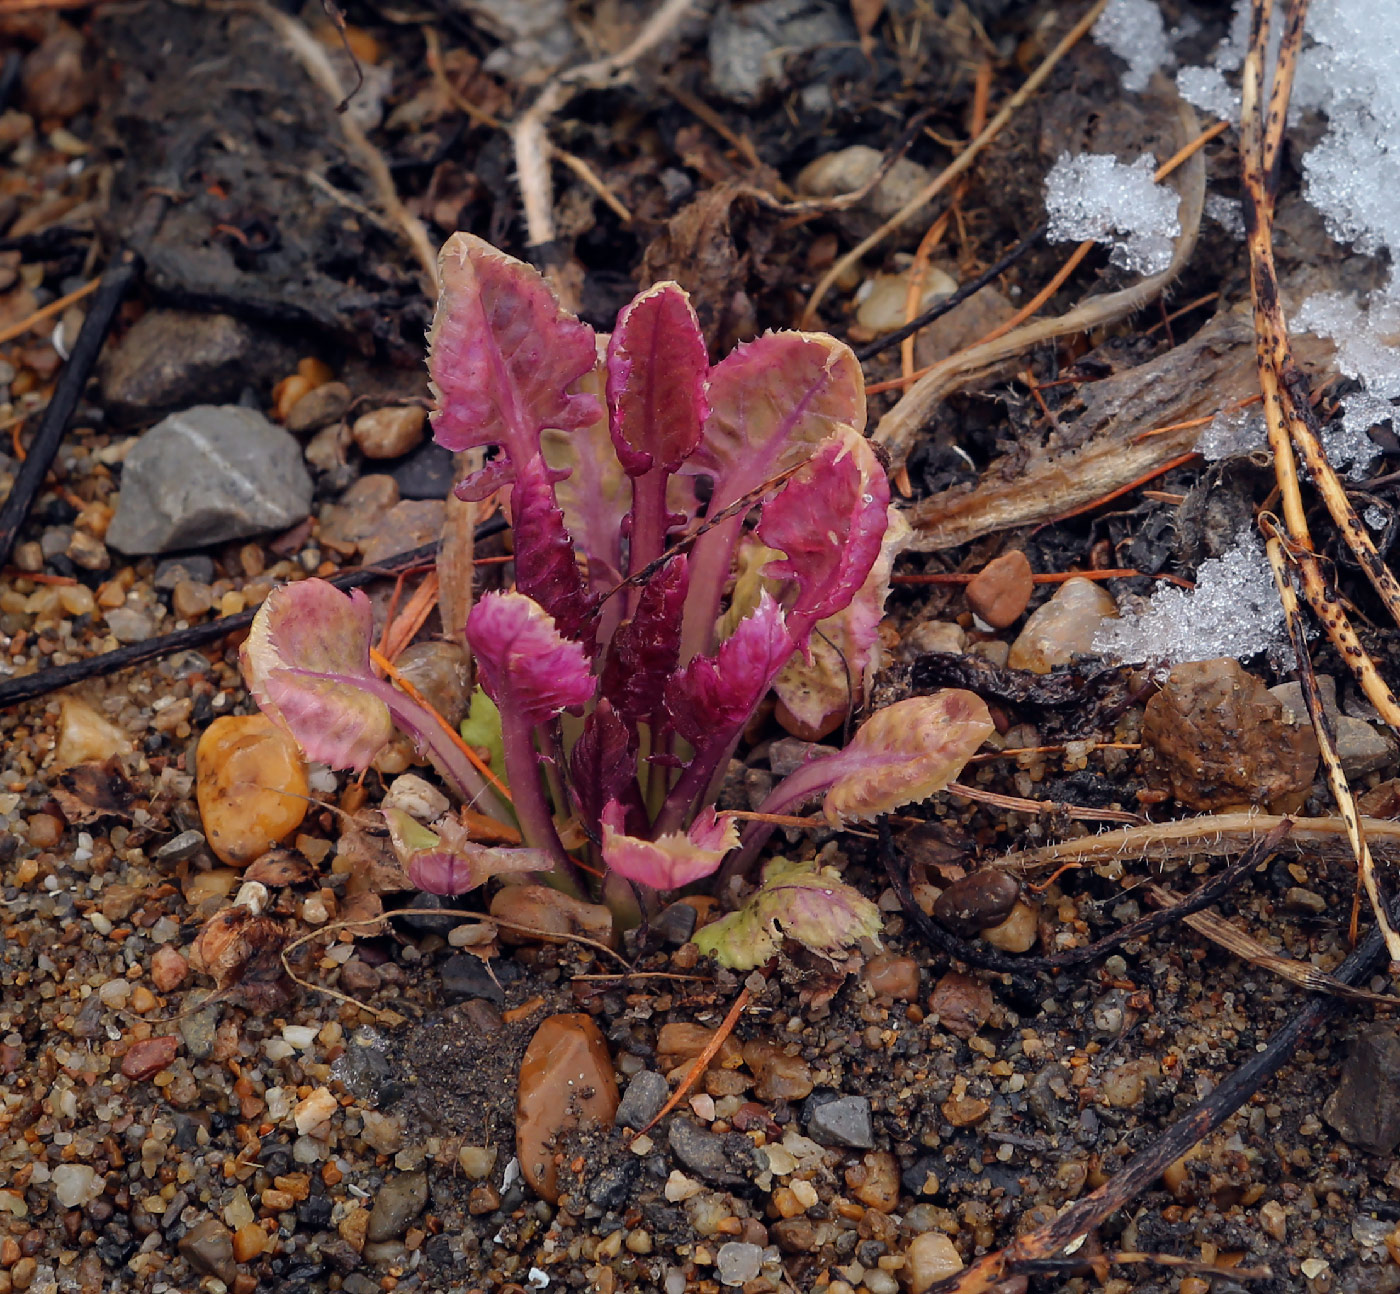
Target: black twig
x: 974, y: 954
x: 950, y: 303
x: 29, y: 687
x: 112, y: 290
x: 1147, y: 1165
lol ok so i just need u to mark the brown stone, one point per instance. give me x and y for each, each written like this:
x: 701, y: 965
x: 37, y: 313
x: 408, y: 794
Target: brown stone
x: 875, y: 1180
x: 780, y: 1077
x: 961, y: 1003
x: 931, y: 1257
x: 318, y: 408
x: 549, y: 914
x: 149, y: 1057
x: 892, y: 976
x: 1216, y: 739
x: 1000, y: 590
x: 1063, y: 628
x: 980, y: 899
x: 389, y: 432
x: 251, y: 786
x: 566, y: 1080
x: 1018, y: 933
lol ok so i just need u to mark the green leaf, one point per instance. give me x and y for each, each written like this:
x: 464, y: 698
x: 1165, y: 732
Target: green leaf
x: 482, y: 730
x: 797, y: 900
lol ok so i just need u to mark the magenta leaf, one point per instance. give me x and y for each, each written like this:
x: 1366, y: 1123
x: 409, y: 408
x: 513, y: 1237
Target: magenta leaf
x: 533, y: 674
x: 673, y: 859
x: 772, y: 402
x: 593, y: 492
x: 646, y: 648
x: 844, y: 651
x: 602, y: 764
x: 829, y: 521
x: 308, y: 644
x: 443, y: 860
x: 713, y: 696
x: 504, y: 354
x: 902, y: 754
x: 657, y: 368
x: 531, y: 671
x: 546, y: 568
x: 306, y: 661
x: 799, y: 901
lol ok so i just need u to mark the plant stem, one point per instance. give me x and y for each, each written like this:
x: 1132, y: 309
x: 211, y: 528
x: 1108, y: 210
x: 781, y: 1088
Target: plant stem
x: 527, y: 789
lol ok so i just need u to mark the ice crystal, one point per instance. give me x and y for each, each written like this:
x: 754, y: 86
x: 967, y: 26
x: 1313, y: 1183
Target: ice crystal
x: 1232, y: 432
x: 1234, y: 610
x: 1097, y: 196
x: 1134, y: 30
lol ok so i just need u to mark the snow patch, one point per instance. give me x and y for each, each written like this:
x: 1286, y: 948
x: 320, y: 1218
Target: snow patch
x: 1234, y: 610
x: 1095, y: 196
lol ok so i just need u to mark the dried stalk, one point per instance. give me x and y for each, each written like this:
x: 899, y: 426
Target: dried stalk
x: 1203, y: 837
x: 1247, y: 948
x: 1287, y: 409
x: 1327, y: 745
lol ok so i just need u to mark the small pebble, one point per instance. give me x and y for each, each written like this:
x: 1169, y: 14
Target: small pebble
x: 1017, y: 934
x: 389, y: 432
x: 1063, y: 628
x: 738, y: 1263
x: 999, y: 592
x: 149, y: 1057
x: 931, y: 1257
x: 245, y: 764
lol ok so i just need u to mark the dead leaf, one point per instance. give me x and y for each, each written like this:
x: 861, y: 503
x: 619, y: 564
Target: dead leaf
x: 88, y: 792
x: 242, y: 953
x: 866, y: 14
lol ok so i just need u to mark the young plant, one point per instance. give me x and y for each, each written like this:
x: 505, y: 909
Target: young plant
x: 621, y: 682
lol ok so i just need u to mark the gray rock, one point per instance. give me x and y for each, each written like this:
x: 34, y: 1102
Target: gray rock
x: 676, y: 923
x: 842, y: 1121
x: 642, y: 1102
x: 1360, y: 747
x: 788, y: 754
x: 466, y: 976
x: 198, y: 1028
x: 738, y: 1263
x: 1365, y: 1108
x: 426, y: 473
x: 192, y: 566
x: 175, y: 850
x: 208, y: 1248
x: 205, y: 475
x: 318, y: 408
x: 367, y: 1072
x: 721, y: 1161
x: 172, y: 358
x: 750, y: 44
x: 400, y: 1200
x: 128, y: 625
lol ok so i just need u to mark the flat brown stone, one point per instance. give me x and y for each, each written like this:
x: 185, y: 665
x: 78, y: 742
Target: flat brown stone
x: 149, y: 1057
x: 566, y: 1080
x: 1000, y: 590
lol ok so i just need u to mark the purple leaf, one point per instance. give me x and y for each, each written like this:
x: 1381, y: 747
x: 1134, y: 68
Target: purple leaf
x: 503, y: 354
x: 593, y: 492
x: 902, y: 754
x: 713, y: 697
x: 772, y: 402
x: 798, y: 901
x: 445, y: 861
x: 546, y: 568
x: 829, y: 521
x: 602, y: 764
x: 657, y: 367
x: 844, y: 652
x: 671, y: 860
x: 646, y: 648
x: 526, y: 666
x: 305, y: 661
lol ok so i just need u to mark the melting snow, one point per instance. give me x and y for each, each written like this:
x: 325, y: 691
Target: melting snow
x: 1097, y: 196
